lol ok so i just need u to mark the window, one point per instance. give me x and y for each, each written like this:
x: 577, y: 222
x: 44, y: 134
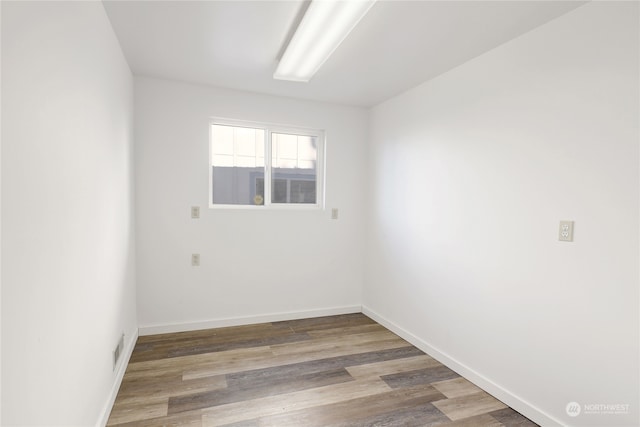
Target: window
x: 245, y: 156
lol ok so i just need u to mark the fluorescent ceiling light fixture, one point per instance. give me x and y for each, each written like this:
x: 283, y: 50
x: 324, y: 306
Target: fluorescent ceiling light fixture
x: 325, y: 24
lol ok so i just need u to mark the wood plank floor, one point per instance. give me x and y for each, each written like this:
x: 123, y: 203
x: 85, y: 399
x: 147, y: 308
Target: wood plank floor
x: 330, y: 371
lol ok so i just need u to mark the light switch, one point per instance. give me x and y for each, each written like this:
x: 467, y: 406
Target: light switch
x: 565, y: 234
x: 334, y: 213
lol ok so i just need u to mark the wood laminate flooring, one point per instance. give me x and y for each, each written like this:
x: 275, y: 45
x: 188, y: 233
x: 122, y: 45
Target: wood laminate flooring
x: 333, y: 371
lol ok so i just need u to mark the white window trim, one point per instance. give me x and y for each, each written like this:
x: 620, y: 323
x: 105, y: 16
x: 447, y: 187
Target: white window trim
x: 269, y: 128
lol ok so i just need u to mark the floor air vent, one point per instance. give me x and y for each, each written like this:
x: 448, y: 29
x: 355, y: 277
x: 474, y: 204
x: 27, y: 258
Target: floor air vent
x: 118, y: 351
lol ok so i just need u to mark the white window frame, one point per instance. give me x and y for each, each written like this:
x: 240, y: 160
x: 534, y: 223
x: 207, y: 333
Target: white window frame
x: 268, y: 130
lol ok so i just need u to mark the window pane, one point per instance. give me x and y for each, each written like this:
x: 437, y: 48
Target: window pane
x: 303, y: 191
x: 223, y: 137
x: 307, y: 148
x: 279, y: 193
x: 259, y: 197
x: 293, y: 168
x: 237, y: 165
x: 285, y: 150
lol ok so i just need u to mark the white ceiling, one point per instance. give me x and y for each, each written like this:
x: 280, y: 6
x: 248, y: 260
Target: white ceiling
x: 396, y: 46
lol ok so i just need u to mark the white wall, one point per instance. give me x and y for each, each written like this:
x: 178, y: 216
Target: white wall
x: 68, y: 288
x: 0, y: 215
x: 255, y: 265
x: 470, y: 175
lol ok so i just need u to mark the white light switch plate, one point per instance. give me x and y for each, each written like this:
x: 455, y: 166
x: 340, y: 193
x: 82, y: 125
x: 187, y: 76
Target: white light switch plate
x: 195, y: 260
x: 565, y: 233
x: 195, y: 212
x: 334, y: 213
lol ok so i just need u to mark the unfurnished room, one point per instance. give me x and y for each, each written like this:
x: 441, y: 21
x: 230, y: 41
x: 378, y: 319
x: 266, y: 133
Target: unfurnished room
x: 313, y: 213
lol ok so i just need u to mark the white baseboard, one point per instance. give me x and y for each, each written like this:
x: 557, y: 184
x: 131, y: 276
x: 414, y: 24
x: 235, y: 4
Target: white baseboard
x: 525, y: 408
x: 122, y: 367
x: 248, y: 320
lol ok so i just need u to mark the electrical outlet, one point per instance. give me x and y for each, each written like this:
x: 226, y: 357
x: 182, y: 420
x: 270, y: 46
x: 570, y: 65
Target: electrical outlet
x: 334, y: 213
x: 565, y: 233
x: 195, y: 260
x: 195, y: 212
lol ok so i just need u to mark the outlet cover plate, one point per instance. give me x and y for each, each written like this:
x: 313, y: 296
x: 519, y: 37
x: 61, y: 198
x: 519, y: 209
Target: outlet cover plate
x: 195, y: 260
x: 565, y: 232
